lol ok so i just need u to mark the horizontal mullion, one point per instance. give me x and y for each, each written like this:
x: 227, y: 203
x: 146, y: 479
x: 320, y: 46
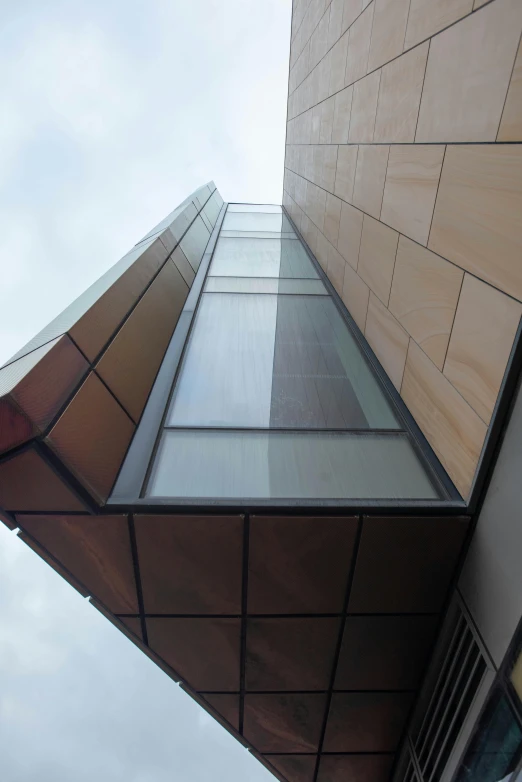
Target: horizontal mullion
x: 303, y: 430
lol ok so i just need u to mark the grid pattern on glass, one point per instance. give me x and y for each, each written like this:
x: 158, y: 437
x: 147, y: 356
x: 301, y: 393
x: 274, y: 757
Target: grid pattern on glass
x: 256, y: 221
x: 264, y: 285
x: 287, y: 465
x: 267, y: 208
x: 267, y: 361
x: 261, y: 258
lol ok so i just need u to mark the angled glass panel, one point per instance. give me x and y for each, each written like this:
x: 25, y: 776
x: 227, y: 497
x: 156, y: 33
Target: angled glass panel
x: 255, y: 221
x: 275, y: 361
x: 282, y: 465
x: 261, y: 258
x: 264, y: 285
x: 258, y: 234
x: 273, y: 208
x: 495, y: 752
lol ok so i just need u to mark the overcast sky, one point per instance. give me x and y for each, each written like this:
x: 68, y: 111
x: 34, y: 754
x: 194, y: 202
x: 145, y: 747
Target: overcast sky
x: 111, y: 113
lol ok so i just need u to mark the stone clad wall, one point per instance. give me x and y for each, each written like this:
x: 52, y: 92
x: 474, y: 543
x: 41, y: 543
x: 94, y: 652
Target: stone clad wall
x: 402, y: 175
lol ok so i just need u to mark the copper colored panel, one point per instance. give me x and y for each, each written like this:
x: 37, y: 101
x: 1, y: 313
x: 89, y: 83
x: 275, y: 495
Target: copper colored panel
x: 294, y: 768
x: 28, y: 483
x: 190, y: 564
x: 284, y: 552
x: 406, y: 565
x: 183, y: 266
x: 130, y: 364
x: 227, y: 706
x: 366, y: 721
x: 55, y: 565
x: 384, y: 652
x: 9, y: 521
x: 95, y: 549
x: 290, y: 654
x: 92, y: 437
x: 204, y: 652
x: 284, y: 723
x: 35, y: 387
x: 355, y: 768
x: 15, y: 427
x: 133, y: 624
x: 95, y: 328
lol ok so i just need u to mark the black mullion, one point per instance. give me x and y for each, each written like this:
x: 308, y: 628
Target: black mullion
x: 244, y: 605
x: 337, y: 654
x: 137, y: 578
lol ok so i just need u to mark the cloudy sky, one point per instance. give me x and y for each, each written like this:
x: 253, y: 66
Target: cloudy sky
x: 111, y: 112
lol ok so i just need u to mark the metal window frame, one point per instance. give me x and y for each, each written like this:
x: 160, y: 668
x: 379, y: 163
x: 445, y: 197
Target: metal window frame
x: 129, y: 487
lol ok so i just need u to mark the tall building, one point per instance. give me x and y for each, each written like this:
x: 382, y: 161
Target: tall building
x: 280, y: 447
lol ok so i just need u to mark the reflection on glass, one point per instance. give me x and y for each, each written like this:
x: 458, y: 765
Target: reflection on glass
x: 264, y: 285
x: 261, y: 258
x: 496, y: 748
x: 275, y: 361
x: 255, y: 221
x: 282, y: 465
x: 255, y: 208
x: 258, y: 234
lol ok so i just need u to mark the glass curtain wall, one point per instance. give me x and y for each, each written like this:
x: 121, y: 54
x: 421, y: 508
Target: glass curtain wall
x: 274, y: 398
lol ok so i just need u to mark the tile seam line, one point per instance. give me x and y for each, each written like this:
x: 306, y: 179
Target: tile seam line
x: 286, y: 125
x: 337, y: 653
x: 419, y: 111
x: 428, y: 38
x: 416, y: 343
x: 331, y: 47
x: 424, y: 246
x: 508, y: 86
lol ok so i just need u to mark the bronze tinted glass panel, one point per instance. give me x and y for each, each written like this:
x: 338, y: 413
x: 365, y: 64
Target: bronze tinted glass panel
x: 384, y: 652
x: 204, y: 652
x: 355, y: 768
x: 28, y: 483
x: 227, y: 706
x: 183, y: 266
x: 36, y: 387
x: 95, y: 549
x: 132, y: 360
x: 366, y: 722
x: 92, y: 437
x: 92, y: 331
x: 290, y: 654
x: 406, y: 565
x: 52, y: 563
x: 190, y: 564
x: 285, y: 552
x: 294, y: 768
x: 284, y: 723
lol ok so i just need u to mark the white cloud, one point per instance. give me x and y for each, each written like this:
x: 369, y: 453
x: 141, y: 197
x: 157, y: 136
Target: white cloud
x: 111, y: 114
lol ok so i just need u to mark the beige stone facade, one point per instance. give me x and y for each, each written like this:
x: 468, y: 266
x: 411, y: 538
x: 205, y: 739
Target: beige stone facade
x: 404, y: 175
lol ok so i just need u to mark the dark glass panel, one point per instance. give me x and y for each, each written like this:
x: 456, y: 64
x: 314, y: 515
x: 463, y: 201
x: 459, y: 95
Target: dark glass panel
x: 290, y: 362
x: 496, y: 748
